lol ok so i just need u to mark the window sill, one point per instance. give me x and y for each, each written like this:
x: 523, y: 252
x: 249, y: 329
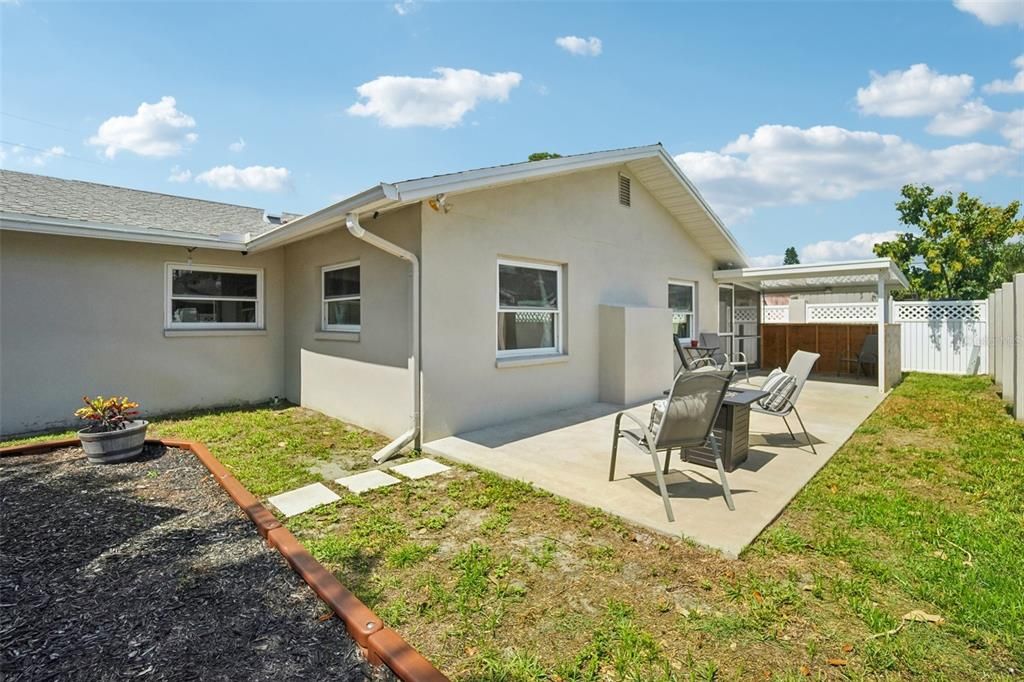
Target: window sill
x: 172, y: 333
x: 320, y: 335
x: 531, y: 360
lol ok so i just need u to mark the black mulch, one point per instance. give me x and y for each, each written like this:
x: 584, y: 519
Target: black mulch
x: 148, y: 569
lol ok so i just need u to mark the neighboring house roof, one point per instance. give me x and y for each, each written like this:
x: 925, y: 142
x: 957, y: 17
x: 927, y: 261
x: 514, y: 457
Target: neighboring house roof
x: 55, y: 206
x: 651, y: 165
x: 83, y: 206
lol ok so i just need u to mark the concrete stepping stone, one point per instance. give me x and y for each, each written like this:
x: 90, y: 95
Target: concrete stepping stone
x: 420, y: 468
x: 368, y: 480
x: 303, y: 499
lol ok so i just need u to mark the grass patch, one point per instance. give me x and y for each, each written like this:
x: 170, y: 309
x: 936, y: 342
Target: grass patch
x: 494, y: 580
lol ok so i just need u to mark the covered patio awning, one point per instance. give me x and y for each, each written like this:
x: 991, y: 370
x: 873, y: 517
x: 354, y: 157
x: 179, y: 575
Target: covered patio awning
x: 855, y: 273
x: 880, y: 273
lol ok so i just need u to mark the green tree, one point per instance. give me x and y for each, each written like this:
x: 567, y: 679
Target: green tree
x: 955, y: 247
x: 540, y: 156
x: 791, y: 257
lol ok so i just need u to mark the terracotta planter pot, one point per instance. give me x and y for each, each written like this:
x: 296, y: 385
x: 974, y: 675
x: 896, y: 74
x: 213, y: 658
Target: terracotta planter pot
x: 108, y: 447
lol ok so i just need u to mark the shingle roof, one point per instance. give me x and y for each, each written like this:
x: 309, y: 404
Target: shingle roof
x: 44, y: 196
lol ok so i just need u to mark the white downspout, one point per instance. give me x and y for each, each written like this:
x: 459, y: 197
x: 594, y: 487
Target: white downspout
x: 413, y: 434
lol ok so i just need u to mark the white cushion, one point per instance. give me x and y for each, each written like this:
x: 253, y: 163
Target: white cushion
x: 780, y: 387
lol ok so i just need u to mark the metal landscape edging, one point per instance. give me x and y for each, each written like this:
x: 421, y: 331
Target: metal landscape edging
x: 380, y: 644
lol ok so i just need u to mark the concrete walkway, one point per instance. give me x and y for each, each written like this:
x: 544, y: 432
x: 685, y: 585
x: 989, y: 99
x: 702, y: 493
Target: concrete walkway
x: 567, y: 453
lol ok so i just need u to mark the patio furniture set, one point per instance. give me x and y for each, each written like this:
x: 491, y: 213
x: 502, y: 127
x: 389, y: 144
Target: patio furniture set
x: 706, y: 414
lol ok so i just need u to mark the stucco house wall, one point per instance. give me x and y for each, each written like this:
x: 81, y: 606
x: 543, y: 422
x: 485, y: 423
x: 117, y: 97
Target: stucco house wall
x: 360, y: 378
x: 86, y: 316
x: 611, y: 255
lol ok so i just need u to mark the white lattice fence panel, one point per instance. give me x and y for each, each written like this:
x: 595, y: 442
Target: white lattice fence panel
x: 745, y: 313
x: 942, y: 337
x: 926, y: 311
x: 842, y: 312
x: 775, y: 313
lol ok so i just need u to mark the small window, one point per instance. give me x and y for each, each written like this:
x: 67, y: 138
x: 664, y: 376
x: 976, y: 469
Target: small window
x: 681, y: 297
x: 624, y: 190
x: 212, y: 297
x: 529, y: 308
x: 340, y: 293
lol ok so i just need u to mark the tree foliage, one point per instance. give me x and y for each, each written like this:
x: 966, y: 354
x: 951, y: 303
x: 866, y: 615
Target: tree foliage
x: 791, y: 257
x: 955, y: 248
x: 540, y: 156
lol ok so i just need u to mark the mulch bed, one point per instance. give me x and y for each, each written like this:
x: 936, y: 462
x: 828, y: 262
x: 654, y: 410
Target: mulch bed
x: 148, y: 569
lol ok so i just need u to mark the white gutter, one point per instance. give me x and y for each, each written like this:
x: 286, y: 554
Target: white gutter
x: 413, y: 434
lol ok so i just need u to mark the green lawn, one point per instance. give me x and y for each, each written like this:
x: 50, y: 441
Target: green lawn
x: 923, y: 509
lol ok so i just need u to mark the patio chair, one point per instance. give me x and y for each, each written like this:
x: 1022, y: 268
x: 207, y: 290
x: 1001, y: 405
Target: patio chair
x: 684, y: 419
x: 737, y: 360
x: 783, y: 390
x: 868, y: 354
x: 689, y: 356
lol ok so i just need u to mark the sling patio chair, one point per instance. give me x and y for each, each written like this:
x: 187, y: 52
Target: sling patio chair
x: 868, y: 354
x: 684, y: 419
x: 784, y: 388
x: 737, y: 359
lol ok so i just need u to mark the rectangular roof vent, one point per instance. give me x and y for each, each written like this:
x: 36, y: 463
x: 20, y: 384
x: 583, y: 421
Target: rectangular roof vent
x: 624, y: 190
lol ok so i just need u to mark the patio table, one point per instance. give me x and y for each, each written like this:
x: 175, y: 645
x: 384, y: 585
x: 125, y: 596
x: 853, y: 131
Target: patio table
x: 732, y: 428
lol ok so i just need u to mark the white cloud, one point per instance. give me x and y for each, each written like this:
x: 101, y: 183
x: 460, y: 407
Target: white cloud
x: 258, y: 178
x: 994, y: 12
x: 918, y: 91
x: 1002, y: 87
x: 404, y: 7
x: 440, y: 102
x: 157, y: 129
x: 42, y: 158
x: 779, y: 165
x: 23, y: 156
x: 765, y: 261
x: 967, y: 119
x: 1013, y: 128
x: 858, y: 246
x: 237, y: 146
x: 179, y: 175
x: 583, y: 47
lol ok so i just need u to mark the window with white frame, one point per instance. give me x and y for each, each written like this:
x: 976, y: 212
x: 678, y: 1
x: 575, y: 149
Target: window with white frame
x: 213, y: 297
x: 340, y: 294
x: 529, y: 308
x: 682, y: 300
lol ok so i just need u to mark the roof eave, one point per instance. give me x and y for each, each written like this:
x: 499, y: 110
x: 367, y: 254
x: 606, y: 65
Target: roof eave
x: 19, y: 222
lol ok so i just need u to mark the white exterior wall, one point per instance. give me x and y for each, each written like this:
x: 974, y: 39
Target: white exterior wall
x: 612, y: 255
x: 360, y: 378
x: 86, y: 316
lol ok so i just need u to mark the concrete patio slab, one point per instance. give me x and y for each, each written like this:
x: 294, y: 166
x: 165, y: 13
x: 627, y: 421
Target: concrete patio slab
x: 420, y: 468
x: 368, y: 480
x: 303, y: 499
x: 568, y: 452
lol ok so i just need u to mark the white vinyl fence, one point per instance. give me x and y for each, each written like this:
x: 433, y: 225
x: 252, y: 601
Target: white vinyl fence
x: 943, y: 337
x: 940, y: 337
x: 1006, y: 342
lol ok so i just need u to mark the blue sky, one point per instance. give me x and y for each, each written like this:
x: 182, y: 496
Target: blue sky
x: 798, y: 121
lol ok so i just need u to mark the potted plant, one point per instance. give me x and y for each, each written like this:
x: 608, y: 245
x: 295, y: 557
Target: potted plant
x: 114, y: 434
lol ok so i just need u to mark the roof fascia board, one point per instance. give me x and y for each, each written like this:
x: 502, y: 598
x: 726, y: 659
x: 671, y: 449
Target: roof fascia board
x: 415, y: 190
x: 378, y: 196
x: 71, y: 228
x: 712, y: 216
x: 883, y: 267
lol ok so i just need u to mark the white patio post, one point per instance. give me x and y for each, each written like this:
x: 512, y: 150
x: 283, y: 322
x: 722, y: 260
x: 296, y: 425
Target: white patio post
x: 1018, y: 346
x: 1009, y: 371
x: 882, y: 315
